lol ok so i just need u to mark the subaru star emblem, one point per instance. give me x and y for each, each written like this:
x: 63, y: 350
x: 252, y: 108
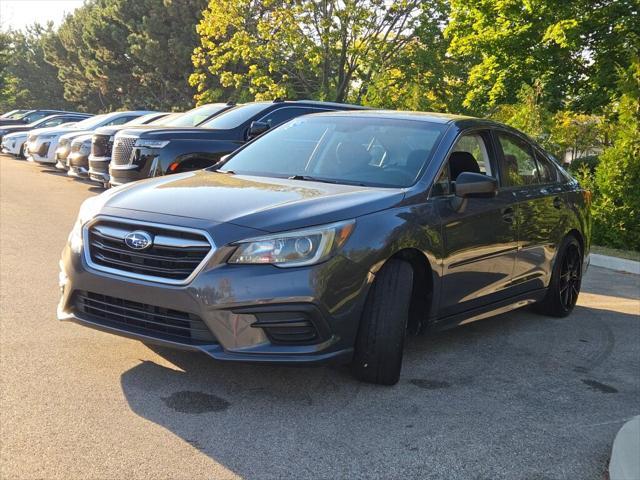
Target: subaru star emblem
x: 138, y: 240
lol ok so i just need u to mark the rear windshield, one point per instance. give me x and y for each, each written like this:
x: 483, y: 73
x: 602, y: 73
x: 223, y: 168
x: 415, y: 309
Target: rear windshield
x: 384, y: 152
x: 236, y: 116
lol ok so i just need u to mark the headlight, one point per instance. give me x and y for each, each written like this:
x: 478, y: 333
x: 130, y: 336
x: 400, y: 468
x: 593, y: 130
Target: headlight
x: 296, y: 248
x: 141, y: 142
x: 46, y: 137
x: 89, y: 209
x: 85, y: 148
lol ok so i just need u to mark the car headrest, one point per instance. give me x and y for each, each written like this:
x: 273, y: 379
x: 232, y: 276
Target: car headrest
x: 462, y: 162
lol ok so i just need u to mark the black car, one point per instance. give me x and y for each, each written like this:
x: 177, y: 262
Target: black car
x: 154, y: 152
x: 328, y: 238
x: 80, y: 146
x: 45, y: 122
x: 102, y: 142
x: 30, y: 117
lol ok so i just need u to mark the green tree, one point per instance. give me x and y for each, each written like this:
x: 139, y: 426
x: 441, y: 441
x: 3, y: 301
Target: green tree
x: 27, y: 80
x: 422, y: 76
x: 570, y: 47
x: 114, y: 54
x: 326, y: 49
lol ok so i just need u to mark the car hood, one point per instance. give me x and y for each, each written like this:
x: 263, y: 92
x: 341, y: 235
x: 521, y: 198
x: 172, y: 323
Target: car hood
x: 267, y: 204
x: 14, y: 128
x: 117, y: 128
x: 75, y: 134
x: 57, y: 130
x: 183, y: 133
x: 14, y: 135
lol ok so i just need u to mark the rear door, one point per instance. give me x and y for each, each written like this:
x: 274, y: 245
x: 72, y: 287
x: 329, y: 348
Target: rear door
x: 539, y: 209
x: 479, y: 234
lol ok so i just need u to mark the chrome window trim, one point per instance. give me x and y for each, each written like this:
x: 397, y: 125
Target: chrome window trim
x: 139, y: 276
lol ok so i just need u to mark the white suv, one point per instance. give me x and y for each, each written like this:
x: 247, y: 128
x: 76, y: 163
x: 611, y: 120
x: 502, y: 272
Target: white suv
x: 41, y: 147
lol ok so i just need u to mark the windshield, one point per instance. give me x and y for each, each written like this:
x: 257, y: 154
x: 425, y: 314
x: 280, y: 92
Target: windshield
x: 165, y: 119
x: 195, y: 116
x: 91, y: 122
x: 143, y: 120
x: 383, y: 152
x: 235, y: 116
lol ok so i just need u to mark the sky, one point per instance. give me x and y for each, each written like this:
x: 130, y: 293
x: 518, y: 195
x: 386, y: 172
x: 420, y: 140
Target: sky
x: 17, y: 14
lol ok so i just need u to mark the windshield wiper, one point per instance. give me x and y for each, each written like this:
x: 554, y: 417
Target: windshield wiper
x: 309, y: 178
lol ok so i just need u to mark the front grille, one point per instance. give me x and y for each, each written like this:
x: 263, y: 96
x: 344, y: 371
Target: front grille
x: 101, y: 145
x: 172, y: 257
x: 122, y: 148
x: 136, y: 317
x: 63, y: 149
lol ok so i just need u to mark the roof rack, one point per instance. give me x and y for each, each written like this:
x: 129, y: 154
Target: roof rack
x: 278, y: 100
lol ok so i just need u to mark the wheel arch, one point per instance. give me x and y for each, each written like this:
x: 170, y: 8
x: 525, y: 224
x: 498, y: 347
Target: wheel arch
x: 423, y: 289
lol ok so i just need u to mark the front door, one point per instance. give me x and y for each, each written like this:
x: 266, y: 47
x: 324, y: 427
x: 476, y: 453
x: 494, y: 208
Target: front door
x: 479, y: 234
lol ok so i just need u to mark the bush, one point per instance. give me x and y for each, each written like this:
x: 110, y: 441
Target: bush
x: 616, y: 209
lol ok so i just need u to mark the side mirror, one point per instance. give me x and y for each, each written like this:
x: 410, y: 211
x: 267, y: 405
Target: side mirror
x: 257, y: 128
x: 476, y: 185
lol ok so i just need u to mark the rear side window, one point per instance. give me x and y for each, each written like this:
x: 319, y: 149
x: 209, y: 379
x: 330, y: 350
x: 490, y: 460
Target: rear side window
x: 518, y: 164
x: 546, y: 169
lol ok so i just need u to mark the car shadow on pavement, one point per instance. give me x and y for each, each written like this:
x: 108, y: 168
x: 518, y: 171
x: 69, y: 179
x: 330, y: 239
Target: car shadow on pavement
x: 505, y: 379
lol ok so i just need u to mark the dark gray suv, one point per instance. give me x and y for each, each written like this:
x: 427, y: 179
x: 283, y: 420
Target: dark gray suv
x: 331, y: 237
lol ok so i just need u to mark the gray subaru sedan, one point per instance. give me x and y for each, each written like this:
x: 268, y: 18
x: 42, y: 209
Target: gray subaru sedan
x: 329, y: 239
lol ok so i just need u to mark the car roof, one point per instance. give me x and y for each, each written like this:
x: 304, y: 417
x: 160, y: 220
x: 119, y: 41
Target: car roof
x: 431, y: 117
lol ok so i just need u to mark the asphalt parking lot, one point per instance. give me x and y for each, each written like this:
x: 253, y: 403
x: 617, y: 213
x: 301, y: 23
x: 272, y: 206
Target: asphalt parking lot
x: 518, y: 396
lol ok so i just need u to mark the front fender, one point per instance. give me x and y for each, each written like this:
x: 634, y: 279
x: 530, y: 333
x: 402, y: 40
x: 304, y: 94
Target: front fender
x: 382, y: 235
x: 185, y: 155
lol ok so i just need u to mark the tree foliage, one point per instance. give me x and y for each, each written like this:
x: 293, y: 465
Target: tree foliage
x: 617, y: 204
x: 26, y: 79
x: 127, y: 53
x: 328, y: 49
x: 571, y: 47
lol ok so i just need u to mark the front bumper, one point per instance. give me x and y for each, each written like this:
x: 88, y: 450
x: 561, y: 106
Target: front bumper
x: 121, y: 174
x: 78, y: 164
x: 11, y: 146
x: 42, y: 152
x: 231, y: 300
x: 99, y: 169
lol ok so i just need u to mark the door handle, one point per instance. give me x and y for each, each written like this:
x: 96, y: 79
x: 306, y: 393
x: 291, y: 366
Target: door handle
x: 507, y: 215
x: 557, y: 203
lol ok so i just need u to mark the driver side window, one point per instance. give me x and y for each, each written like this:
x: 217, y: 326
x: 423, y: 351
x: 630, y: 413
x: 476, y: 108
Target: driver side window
x: 469, y: 154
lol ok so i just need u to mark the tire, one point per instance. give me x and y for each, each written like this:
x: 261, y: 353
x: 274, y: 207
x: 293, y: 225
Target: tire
x: 21, y: 152
x: 380, y: 342
x: 566, y: 279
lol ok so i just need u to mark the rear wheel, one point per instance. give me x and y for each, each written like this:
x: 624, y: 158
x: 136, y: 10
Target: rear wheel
x: 380, y: 341
x: 566, y: 280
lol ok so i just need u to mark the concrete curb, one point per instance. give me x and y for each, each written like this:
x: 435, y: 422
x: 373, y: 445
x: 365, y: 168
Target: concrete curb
x: 615, y: 263
x: 625, y: 461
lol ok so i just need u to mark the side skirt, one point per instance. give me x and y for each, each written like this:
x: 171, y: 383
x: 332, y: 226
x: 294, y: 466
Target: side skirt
x: 489, y: 310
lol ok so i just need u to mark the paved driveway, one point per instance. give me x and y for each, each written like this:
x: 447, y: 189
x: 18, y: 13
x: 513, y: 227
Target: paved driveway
x: 519, y: 396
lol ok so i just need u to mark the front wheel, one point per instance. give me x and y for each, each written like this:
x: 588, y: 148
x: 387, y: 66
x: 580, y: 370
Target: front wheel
x: 566, y: 279
x: 380, y: 341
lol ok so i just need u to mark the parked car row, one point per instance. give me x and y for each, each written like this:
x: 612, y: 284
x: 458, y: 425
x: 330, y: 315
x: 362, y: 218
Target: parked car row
x: 121, y: 147
x: 311, y: 232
